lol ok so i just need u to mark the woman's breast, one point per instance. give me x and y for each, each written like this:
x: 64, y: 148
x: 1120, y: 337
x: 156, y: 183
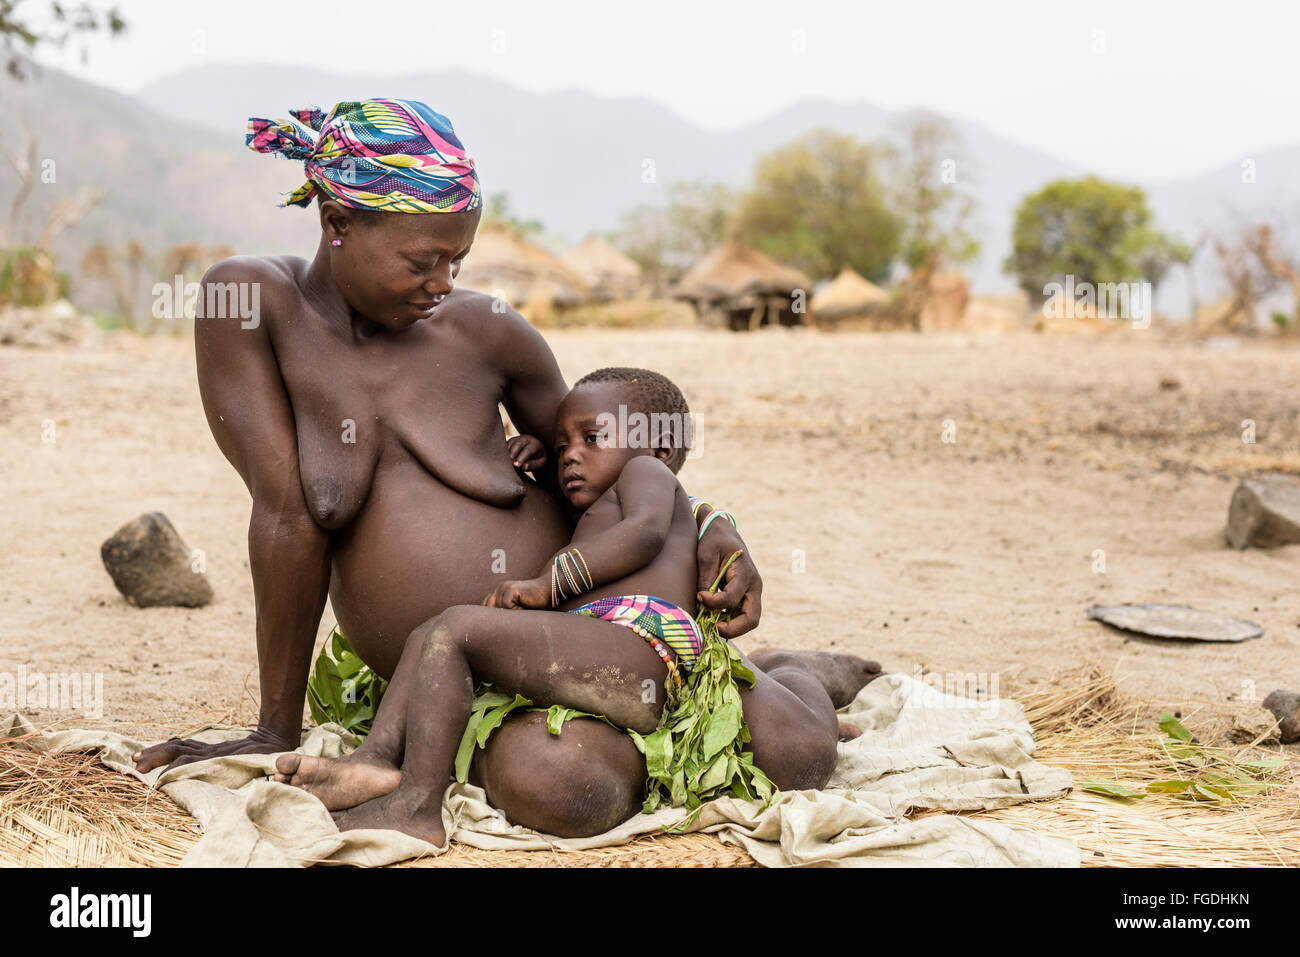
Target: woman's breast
x: 418, y: 547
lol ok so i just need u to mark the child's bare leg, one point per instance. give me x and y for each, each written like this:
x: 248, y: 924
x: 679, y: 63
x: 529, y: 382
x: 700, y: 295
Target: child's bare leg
x: 793, y: 729
x: 372, y: 770
x: 548, y: 657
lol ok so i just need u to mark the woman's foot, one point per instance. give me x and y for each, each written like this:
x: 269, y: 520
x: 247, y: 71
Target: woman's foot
x: 421, y: 817
x: 842, y: 675
x: 338, y: 782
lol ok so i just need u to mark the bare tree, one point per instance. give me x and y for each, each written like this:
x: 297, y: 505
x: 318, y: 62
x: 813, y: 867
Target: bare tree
x: 67, y: 212
x: 1248, y: 282
x: 23, y: 161
x: 25, y: 30
x: 1262, y: 242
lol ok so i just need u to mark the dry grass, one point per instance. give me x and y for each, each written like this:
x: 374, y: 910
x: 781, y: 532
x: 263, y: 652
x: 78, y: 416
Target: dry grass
x: 68, y: 809
x: 1083, y: 725
x: 683, y: 850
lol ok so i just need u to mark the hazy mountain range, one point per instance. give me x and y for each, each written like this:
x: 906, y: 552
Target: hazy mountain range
x: 172, y: 161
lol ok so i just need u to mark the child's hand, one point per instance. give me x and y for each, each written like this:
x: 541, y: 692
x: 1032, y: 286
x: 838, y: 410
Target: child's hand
x: 526, y: 452
x: 535, y: 593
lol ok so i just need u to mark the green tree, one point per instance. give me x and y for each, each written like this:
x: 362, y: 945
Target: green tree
x: 1151, y: 254
x: 927, y: 195
x: 818, y: 204
x: 22, y: 30
x: 1077, y: 227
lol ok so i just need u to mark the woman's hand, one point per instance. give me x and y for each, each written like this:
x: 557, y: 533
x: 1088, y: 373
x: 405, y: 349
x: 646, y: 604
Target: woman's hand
x: 742, y: 588
x: 526, y: 452
x: 178, y: 752
x: 534, y: 593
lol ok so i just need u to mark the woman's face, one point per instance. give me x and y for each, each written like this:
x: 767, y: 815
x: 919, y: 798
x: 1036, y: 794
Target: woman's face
x: 395, y: 268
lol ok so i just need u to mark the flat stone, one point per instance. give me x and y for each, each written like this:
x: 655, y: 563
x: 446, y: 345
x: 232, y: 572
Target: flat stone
x: 1265, y: 512
x: 1175, y: 621
x: 1254, y: 725
x: 1285, y: 706
x: 151, y: 565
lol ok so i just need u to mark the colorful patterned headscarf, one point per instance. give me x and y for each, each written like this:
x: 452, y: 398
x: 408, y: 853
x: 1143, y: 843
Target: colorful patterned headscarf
x: 393, y: 155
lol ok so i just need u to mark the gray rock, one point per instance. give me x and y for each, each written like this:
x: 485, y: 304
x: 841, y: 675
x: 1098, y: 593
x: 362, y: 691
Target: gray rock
x: 1175, y: 621
x: 150, y: 565
x: 51, y: 324
x: 1254, y: 725
x: 1265, y: 512
x: 1285, y: 706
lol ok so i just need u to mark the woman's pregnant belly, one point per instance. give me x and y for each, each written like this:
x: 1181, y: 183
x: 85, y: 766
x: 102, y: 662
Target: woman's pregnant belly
x: 417, y: 548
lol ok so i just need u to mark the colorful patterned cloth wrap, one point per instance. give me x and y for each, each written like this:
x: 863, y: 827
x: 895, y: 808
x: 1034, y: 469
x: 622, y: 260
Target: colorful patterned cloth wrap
x: 393, y: 155
x: 658, y: 621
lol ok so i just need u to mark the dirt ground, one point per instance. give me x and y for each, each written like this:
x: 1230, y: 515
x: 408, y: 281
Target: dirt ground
x: 873, y: 533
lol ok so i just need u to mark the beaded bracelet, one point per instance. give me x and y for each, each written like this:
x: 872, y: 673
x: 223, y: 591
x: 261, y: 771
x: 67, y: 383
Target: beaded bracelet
x: 714, y: 514
x: 570, y: 576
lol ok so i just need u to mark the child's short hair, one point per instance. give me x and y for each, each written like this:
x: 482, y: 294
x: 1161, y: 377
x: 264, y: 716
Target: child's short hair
x: 653, y: 395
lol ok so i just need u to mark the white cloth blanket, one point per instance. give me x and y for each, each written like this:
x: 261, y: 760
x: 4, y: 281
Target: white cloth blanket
x: 920, y: 748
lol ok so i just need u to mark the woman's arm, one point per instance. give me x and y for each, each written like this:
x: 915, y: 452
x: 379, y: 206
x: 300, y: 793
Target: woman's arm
x: 742, y: 588
x: 251, y: 419
x: 534, y: 386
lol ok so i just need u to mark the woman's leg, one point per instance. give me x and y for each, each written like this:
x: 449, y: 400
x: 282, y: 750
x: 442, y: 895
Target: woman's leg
x: 584, y: 781
x: 794, y: 733
x: 548, y: 657
x: 842, y: 675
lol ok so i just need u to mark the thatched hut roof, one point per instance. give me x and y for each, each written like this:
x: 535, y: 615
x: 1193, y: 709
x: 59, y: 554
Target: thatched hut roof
x: 605, y: 270
x: 737, y: 271
x: 848, y: 294
x: 502, y: 260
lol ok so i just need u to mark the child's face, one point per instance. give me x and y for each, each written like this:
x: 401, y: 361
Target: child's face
x: 590, y: 452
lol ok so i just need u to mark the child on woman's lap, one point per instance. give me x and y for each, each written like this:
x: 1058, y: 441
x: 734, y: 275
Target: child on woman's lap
x: 631, y: 563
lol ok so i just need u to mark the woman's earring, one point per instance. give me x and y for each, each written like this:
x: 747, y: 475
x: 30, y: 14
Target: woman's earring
x: 336, y: 242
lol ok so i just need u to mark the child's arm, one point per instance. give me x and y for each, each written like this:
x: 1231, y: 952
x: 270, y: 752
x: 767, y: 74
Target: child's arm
x: 526, y: 453
x: 647, y: 495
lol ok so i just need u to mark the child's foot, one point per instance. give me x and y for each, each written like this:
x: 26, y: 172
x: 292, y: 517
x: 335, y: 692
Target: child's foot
x: 338, y: 782
x: 842, y: 675
x: 395, y: 812
x: 849, y: 731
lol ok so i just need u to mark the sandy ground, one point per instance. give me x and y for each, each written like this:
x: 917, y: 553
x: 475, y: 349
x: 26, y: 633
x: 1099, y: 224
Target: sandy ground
x: 874, y: 535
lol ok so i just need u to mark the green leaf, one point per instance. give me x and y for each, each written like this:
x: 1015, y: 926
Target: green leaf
x: 555, y: 718
x: 337, y: 675
x: 493, y: 718
x: 1263, y: 764
x: 466, y: 750
x: 721, y: 729
x: 657, y: 747
x: 1171, y: 726
x: 715, y: 775
x: 1214, y: 793
x: 1168, y: 787
x: 1110, y: 789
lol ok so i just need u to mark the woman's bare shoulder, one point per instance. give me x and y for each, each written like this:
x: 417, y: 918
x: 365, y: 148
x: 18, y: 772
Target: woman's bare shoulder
x: 279, y: 272
x: 495, y: 326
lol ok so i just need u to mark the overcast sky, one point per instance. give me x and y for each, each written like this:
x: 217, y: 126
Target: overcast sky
x: 1131, y: 89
